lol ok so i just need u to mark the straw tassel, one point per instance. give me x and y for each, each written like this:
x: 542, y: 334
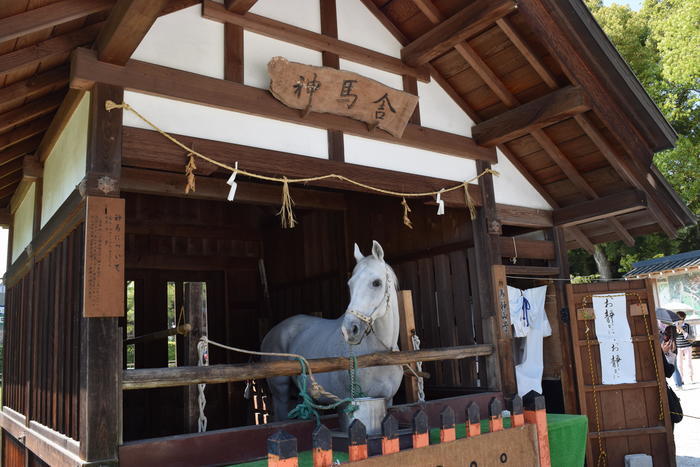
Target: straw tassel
x: 469, y: 201
x: 286, y: 212
x: 406, y: 210
x: 189, y: 172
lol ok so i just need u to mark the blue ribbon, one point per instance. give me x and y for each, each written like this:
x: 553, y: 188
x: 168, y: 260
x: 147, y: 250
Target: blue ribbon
x: 526, y: 308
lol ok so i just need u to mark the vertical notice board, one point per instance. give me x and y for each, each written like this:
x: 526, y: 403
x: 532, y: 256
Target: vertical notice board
x: 103, y: 288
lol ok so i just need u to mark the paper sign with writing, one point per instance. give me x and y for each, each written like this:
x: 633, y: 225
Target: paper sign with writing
x: 103, y: 294
x: 327, y: 90
x: 614, y: 339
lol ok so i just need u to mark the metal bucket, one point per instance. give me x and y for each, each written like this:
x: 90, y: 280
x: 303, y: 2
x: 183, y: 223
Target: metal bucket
x: 370, y: 412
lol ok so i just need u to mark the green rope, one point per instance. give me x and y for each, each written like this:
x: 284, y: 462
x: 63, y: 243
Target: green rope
x: 355, y: 388
x: 307, y: 407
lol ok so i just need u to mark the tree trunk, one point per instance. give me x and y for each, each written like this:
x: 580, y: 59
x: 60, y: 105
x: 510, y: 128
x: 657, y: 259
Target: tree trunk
x: 602, y: 263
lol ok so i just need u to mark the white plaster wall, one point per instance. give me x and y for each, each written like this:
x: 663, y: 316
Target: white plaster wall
x: 258, y: 50
x: 65, y: 166
x: 185, y: 41
x: 406, y: 159
x: 440, y: 112
x: 221, y: 125
x: 300, y: 13
x: 511, y: 187
x: 357, y: 25
x: 384, y: 77
x: 23, y: 223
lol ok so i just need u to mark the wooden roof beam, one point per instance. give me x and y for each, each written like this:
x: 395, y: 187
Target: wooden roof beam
x: 37, y: 85
x: 464, y: 24
x: 24, y: 132
x: 126, y: 26
x: 223, y: 94
x: 539, y: 113
x: 581, y: 239
x: 305, y: 38
x: 48, y: 16
x: 47, y: 50
x: 30, y: 111
x: 239, y: 6
x: 524, y: 217
x: 601, y: 208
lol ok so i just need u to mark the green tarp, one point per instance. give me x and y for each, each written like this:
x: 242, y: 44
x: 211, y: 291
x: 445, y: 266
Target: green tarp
x: 567, y: 441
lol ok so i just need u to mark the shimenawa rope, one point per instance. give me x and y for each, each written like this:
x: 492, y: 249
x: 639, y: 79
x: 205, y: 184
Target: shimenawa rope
x: 286, y: 214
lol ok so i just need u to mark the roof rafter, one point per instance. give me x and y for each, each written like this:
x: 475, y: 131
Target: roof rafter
x: 239, y: 6
x: 48, y: 16
x: 31, y: 110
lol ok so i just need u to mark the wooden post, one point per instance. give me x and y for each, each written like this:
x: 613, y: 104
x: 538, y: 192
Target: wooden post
x: 515, y: 405
x: 196, y: 314
x: 473, y: 420
x: 535, y: 413
x: 500, y: 370
x: 357, y: 441
x: 100, y: 338
x: 447, y: 425
x: 495, y: 415
x: 420, y: 429
x: 390, y: 437
x: 282, y: 450
x: 407, y: 328
x: 321, y: 445
x: 568, y: 375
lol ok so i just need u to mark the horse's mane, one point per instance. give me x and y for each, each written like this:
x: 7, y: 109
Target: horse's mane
x: 392, y: 276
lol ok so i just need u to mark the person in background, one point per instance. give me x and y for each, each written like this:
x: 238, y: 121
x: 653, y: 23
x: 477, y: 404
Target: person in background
x: 684, y: 349
x: 668, y: 345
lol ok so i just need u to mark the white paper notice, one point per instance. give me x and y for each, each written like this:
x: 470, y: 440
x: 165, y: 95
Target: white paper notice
x: 615, y: 339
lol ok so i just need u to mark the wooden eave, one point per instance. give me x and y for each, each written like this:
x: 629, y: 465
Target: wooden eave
x: 492, y: 69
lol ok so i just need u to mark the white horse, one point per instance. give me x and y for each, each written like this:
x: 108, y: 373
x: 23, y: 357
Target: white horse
x: 370, y: 324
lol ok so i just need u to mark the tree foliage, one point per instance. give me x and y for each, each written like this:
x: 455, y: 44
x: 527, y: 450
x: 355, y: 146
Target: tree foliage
x: 661, y: 44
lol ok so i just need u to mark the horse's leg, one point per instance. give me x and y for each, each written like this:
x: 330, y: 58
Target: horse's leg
x: 280, y: 386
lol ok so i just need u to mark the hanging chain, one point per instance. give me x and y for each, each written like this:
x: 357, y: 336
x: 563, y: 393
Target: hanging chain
x: 602, y: 456
x: 202, y: 350
x: 419, y: 366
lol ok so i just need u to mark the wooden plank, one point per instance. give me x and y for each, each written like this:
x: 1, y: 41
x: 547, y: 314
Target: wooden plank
x: 530, y: 55
x: 329, y: 27
x: 543, y: 271
x: 171, y: 184
x: 233, y: 53
x: 311, y: 40
x: 30, y: 111
x: 148, y: 149
x: 524, y: 217
x: 190, y: 87
x: 48, y: 16
x: 33, y: 87
x: 49, y: 49
x: 581, y: 239
x: 23, y: 134
x: 504, y: 335
x: 104, y: 258
x: 126, y: 26
x: 170, y: 377
x: 466, y: 23
x: 600, y: 208
x: 239, y: 6
x: 406, y: 331
x: 512, y: 247
x: 195, y: 303
x: 543, y: 111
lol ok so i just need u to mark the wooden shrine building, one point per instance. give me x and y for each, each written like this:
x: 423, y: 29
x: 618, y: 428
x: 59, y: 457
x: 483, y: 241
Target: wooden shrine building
x: 106, y: 246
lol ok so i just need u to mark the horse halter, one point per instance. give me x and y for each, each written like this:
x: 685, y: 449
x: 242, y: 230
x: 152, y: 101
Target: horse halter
x: 369, y: 319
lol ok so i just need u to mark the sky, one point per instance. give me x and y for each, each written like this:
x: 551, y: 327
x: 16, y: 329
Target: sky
x: 634, y: 4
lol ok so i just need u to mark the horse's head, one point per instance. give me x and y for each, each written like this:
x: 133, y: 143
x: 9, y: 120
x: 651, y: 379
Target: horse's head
x: 370, y: 288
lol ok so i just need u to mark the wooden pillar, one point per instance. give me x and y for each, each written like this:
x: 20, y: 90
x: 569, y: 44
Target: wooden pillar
x: 100, y: 337
x: 407, y: 328
x: 329, y: 27
x: 568, y: 375
x: 500, y: 370
x: 196, y: 315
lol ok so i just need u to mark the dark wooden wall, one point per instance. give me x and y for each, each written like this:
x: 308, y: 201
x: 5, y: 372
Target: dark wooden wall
x: 42, y: 339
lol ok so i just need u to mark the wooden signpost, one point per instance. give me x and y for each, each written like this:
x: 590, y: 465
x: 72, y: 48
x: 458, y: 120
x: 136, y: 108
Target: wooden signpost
x: 339, y: 92
x: 104, y: 258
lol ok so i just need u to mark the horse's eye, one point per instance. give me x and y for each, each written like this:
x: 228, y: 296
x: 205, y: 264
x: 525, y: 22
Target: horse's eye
x: 376, y: 283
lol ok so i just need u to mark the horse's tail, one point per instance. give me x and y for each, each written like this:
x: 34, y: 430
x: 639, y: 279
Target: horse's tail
x: 247, y: 393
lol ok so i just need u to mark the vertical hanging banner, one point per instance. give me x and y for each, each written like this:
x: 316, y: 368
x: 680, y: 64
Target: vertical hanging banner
x: 327, y: 90
x: 614, y: 338
x: 103, y: 286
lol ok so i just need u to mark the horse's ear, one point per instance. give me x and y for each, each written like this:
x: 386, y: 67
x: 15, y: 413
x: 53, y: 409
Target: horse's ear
x: 358, y: 254
x: 377, y: 250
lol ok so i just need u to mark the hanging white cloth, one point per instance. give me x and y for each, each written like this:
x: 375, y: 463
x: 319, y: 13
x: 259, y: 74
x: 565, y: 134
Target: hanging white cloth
x: 614, y: 338
x: 530, y: 322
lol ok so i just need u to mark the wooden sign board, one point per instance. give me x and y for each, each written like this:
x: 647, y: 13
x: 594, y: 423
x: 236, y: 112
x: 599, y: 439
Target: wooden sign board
x: 103, y: 285
x: 638, y: 309
x: 585, y: 314
x: 327, y: 90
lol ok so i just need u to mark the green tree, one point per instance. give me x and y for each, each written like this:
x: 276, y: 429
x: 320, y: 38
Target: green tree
x: 661, y: 44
